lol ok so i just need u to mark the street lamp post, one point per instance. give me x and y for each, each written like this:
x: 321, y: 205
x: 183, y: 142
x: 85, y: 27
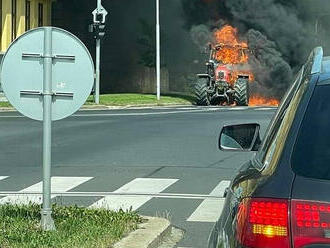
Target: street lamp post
x: 157, y: 50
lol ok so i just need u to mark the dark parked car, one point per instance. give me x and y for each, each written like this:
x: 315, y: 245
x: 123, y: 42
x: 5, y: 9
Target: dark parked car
x: 281, y: 197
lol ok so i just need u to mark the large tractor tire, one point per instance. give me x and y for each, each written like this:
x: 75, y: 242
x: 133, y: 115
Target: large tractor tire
x: 201, y: 97
x: 241, y: 95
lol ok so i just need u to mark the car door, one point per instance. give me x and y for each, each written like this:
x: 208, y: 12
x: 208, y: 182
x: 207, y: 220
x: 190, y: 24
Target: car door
x: 310, y: 161
x: 252, y: 174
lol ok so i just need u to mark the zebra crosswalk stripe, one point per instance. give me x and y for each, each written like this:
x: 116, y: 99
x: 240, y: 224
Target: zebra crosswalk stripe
x: 138, y: 185
x: 3, y: 177
x: 59, y: 184
x: 132, y: 195
x: 220, y: 189
x: 210, y: 209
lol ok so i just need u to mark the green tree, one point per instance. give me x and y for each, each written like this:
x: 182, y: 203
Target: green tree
x: 147, y: 44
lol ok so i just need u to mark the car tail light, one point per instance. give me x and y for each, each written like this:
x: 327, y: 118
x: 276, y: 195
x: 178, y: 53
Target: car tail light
x: 263, y: 222
x: 310, y: 223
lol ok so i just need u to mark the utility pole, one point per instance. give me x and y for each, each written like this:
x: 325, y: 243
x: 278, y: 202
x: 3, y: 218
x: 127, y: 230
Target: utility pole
x: 158, y: 50
x: 98, y: 28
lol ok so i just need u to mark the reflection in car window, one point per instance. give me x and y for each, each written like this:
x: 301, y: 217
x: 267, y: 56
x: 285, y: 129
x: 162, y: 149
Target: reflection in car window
x: 274, y: 152
x: 270, y: 153
x: 228, y: 142
x: 243, y: 135
x: 311, y: 155
x: 265, y: 153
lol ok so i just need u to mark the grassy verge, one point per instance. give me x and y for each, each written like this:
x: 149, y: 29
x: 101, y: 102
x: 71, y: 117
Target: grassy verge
x: 134, y: 99
x: 5, y: 105
x: 141, y: 99
x: 75, y: 227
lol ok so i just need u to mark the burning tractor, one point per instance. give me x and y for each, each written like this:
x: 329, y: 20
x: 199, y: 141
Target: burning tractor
x: 226, y: 81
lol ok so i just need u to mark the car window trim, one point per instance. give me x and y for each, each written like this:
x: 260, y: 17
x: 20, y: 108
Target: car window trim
x: 282, y: 134
x: 271, y: 130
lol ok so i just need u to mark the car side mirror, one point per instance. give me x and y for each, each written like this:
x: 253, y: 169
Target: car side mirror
x: 242, y: 137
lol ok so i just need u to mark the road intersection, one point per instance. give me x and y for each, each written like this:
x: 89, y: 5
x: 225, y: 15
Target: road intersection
x: 159, y: 161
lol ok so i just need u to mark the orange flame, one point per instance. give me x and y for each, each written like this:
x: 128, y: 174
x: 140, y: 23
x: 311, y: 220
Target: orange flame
x: 258, y: 100
x: 230, y: 49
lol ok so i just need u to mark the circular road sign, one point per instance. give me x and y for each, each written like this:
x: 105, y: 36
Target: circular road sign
x: 22, y: 74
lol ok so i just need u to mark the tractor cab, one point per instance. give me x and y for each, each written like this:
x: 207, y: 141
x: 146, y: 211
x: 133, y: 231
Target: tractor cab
x: 222, y: 73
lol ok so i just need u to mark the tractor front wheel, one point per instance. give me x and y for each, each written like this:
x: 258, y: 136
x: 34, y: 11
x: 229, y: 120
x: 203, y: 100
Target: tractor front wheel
x: 241, y: 94
x: 200, y: 91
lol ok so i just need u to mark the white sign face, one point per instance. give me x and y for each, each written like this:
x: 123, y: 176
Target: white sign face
x: 22, y: 73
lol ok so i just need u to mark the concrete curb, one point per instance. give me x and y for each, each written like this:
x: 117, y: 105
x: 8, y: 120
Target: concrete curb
x: 7, y: 109
x: 149, y: 235
x: 105, y: 107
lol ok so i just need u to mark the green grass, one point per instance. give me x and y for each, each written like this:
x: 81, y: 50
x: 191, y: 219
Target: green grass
x: 75, y: 227
x: 134, y: 100
x: 5, y: 105
x: 141, y: 99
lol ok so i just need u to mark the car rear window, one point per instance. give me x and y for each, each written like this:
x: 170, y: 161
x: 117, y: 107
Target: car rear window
x: 311, y: 155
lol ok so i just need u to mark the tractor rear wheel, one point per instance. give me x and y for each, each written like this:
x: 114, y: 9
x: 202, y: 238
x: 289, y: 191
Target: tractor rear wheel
x: 200, y: 92
x: 241, y: 94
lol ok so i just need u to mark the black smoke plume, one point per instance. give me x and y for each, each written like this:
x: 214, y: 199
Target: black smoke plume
x: 272, y: 72
x: 279, y: 34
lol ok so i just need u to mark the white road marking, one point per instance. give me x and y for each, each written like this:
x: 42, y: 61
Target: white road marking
x: 220, y: 189
x: 189, y: 108
x: 238, y: 108
x: 216, y: 109
x: 59, y: 184
x: 3, y: 177
x: 138, y: 185
x: 210, y: 209
x: 136, y: 108
x: 264, y: 109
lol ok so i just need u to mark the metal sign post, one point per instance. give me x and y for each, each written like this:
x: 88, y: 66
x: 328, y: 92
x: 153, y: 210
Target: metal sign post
x: 98, y: 26
x: 47, y: 222
x: 55, y: 78
x: 158, y: 50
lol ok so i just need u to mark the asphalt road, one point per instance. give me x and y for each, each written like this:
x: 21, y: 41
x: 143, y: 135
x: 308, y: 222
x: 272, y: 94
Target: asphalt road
x: 161, y: 161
